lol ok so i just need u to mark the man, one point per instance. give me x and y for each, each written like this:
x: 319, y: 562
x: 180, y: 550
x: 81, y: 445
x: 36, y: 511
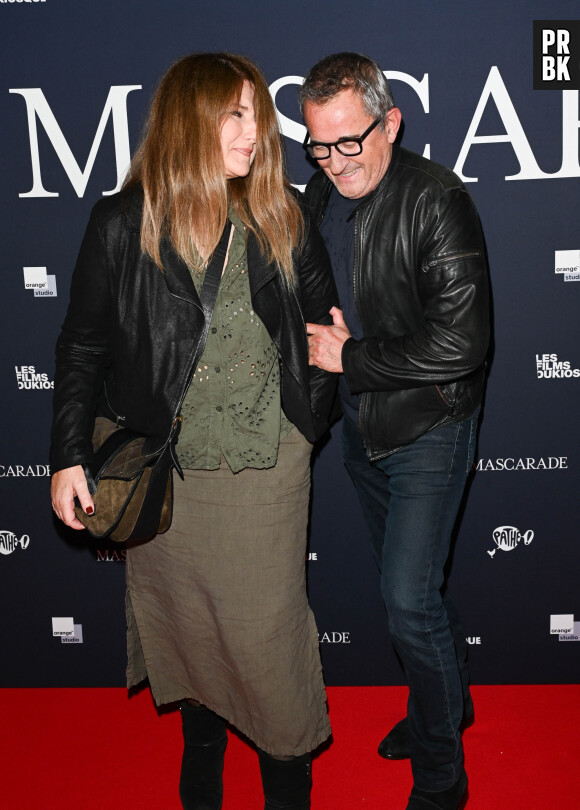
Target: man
x: 410, y: 343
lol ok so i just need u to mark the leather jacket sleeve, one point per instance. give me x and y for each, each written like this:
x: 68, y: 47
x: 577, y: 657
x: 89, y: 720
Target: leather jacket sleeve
x: 82, y: 354
x: 445, y: 267
x: 318, y: 295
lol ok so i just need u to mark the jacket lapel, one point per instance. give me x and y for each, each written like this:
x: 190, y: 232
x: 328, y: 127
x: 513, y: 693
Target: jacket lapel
x: 278, y: 310
x: 177, y: 275
x: 175, y: 272
x: 259, y: 269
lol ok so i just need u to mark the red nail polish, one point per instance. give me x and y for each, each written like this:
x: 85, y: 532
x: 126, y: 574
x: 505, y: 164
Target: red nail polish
x: 89, y: 510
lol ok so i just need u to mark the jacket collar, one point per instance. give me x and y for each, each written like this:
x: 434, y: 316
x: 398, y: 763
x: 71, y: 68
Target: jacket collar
x: 260, y: 271
x: 175, y: 271
x: 384, y: 182
x: 179, y: 281
x: 132, y: 201
x: 176, y: 274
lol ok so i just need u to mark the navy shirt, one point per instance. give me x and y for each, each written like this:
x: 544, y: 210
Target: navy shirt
x: 337, y: 231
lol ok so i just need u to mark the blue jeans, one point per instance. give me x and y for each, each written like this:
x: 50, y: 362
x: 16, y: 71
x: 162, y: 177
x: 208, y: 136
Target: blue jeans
x: 410, y: 500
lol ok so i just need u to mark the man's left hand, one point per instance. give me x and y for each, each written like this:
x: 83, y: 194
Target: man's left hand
x: 325, y: 342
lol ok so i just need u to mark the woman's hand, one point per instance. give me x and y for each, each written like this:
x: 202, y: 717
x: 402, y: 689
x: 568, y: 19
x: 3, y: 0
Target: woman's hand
x: 64, y: 486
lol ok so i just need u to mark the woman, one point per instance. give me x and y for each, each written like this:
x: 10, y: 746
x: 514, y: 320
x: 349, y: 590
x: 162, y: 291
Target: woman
x: 216, y: 608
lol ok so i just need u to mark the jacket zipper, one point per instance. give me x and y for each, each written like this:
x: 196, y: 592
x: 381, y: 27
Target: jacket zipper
x: 306, y: 390
x: 118, y: 418
x: 440, y: 392
x: 451, y: 258
x: 355, y: 290
x: 177, y: 417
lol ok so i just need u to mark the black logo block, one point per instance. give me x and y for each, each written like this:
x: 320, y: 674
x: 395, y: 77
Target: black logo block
x: 556, y: 54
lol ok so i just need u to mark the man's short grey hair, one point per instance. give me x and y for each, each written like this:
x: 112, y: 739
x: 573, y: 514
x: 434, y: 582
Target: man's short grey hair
x: 348, y: 71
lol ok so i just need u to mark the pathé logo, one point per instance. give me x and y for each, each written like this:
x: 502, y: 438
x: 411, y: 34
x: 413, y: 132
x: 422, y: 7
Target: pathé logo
x: 507, y: 538
x: 9, y: 542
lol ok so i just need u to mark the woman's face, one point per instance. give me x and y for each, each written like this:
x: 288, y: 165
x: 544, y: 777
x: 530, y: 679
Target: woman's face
x: 238, y: 135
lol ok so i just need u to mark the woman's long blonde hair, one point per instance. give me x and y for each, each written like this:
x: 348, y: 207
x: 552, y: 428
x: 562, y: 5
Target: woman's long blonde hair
x: 181, y: 169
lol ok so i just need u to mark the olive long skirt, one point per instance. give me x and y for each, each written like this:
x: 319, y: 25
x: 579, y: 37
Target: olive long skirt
x: 217, y: 608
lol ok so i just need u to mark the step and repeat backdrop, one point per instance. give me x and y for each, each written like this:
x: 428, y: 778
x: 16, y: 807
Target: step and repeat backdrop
x: 489, y: 89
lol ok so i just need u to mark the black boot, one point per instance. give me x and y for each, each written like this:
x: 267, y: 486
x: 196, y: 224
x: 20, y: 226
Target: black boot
x: 286, y: 783
x: 205, y: 740
x: 397, y: 743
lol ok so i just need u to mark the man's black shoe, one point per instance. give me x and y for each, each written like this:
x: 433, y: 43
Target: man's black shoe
x: 454, y: 798
x: 397, y: 743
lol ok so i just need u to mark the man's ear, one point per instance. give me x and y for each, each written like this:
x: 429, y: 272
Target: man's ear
x: 392, y: 123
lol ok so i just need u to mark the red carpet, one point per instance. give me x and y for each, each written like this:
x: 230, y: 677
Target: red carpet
x: 94, y: 749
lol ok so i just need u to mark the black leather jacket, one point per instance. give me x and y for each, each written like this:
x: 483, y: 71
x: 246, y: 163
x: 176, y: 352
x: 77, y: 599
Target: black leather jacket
x: 422, y: 293
x: 128, y: 340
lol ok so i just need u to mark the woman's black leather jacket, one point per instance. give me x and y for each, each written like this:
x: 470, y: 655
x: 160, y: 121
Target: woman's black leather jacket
x: 127, y: 344
x: 421, y: 289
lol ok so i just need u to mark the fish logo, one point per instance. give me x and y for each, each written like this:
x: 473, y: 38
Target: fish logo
x: 9, y: 542
x: 507, y: 538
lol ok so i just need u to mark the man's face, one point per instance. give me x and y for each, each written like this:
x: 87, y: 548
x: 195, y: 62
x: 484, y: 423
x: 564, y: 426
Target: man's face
x: 344, y: 116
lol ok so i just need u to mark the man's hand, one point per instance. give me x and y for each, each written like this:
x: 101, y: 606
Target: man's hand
x: 65, y: 485
x: 325, y: 342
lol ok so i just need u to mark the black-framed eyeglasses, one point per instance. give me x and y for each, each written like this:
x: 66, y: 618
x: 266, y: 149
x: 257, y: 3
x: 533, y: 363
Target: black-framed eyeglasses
x: 345, y: 146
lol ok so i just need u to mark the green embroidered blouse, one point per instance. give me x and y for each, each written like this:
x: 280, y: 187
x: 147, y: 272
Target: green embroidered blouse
x: 232, y: 407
